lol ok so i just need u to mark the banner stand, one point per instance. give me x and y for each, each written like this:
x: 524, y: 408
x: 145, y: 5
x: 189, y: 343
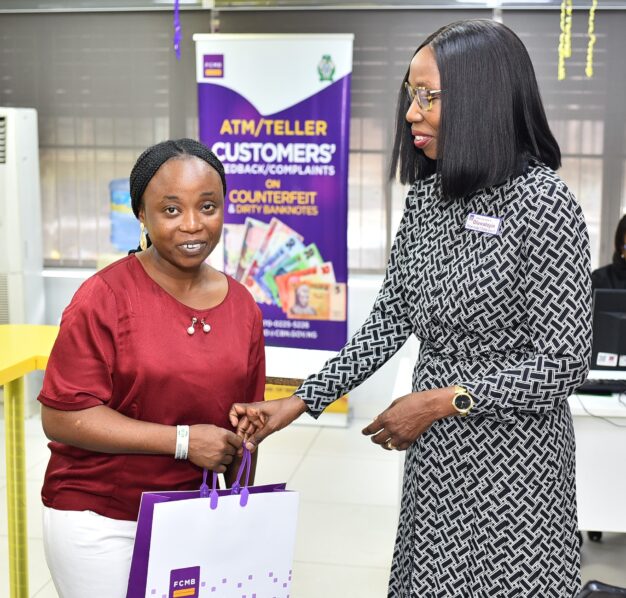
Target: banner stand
x: 299, y: 364
x: 275, y: 109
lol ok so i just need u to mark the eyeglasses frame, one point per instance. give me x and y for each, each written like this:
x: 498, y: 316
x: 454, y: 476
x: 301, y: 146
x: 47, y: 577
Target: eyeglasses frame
x: 413, y: 93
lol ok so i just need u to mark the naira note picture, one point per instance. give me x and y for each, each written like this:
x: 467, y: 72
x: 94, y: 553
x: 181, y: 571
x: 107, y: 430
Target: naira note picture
x: 276, y: 265
x: 312, y: 300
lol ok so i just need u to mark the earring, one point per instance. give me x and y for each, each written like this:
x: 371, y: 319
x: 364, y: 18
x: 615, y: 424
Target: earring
x: 191, y: 330
x: 143, y: 237
x: 206, y: 328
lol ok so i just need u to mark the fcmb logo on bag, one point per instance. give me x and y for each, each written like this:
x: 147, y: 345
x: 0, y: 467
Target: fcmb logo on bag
x: 213, y: 66
x: 185, y: 583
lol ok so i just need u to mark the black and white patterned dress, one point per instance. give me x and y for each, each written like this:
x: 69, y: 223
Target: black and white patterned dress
x: 488, y: 506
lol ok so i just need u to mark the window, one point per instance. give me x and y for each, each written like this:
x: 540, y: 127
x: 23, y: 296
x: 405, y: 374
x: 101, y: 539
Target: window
x: 107, y: 85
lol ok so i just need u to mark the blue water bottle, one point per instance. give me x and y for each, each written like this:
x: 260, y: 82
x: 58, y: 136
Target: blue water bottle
x: 124, y: 225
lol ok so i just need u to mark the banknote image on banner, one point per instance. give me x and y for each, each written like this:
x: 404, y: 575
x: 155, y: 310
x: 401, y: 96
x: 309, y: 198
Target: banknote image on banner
x: 275, y: 110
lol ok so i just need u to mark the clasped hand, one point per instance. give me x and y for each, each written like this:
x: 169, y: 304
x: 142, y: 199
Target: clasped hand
x: 256, y: 421
x: 213, y: 447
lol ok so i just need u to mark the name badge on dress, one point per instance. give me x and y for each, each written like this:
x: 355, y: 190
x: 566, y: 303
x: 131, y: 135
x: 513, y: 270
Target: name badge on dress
x: 483, y: 224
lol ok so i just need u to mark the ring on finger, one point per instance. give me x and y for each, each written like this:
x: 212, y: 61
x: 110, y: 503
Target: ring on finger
x: 390, y: 446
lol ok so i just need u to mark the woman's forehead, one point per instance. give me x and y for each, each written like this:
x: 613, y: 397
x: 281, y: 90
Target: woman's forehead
x: 186, y: 170
x: 423, y: 69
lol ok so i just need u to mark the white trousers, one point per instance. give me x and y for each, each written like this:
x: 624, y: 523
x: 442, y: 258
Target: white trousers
x: 88, y: 554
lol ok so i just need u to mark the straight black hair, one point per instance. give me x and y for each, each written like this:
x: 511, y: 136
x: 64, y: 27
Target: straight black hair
x: 492, y: 118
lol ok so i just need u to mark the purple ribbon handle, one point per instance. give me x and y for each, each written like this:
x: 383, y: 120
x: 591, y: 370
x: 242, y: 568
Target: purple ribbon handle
x: 204, y: 488
x: 237, y: 488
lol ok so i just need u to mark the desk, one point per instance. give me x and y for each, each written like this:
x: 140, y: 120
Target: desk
x: 600, y: 462
x: 286, y: 368
x: 23, y: 348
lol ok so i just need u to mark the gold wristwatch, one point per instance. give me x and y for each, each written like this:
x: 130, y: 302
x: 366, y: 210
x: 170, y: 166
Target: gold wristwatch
x: 462, y: 400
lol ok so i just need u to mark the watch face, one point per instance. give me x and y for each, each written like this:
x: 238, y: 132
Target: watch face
x: 462, y: 402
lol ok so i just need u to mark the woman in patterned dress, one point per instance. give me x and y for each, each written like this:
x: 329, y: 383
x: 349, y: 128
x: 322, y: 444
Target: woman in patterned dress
x: 490, y: 270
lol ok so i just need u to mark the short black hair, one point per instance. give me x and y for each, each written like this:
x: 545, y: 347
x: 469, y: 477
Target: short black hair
x: 492, y: 118
x: 620, y: 233
x: 154, y: 157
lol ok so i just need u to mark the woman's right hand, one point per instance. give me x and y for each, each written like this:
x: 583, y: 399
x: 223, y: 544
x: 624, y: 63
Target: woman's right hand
x: 212, y: 447
x: 256, y: 421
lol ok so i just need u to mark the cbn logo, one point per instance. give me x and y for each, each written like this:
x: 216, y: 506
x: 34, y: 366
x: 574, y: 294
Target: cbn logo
x: 326, y: 68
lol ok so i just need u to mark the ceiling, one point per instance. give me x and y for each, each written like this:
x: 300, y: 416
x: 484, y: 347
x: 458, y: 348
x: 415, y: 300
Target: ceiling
x: 120, y: 5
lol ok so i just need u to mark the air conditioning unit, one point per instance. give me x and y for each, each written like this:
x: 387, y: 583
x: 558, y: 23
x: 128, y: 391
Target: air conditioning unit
x: 21, y: 257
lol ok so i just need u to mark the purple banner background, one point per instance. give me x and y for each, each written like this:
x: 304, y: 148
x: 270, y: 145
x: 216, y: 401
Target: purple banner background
x: 328, y: 229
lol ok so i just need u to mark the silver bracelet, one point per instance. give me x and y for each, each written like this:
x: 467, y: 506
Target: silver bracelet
x: 182, y: 442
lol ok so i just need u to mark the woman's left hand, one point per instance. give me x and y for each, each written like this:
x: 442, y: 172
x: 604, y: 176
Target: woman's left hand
x: 408, y: 417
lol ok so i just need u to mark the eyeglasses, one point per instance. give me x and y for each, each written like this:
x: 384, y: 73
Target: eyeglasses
x: 423, y: 96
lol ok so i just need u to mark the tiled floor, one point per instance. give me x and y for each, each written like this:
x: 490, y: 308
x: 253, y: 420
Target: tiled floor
x: 349, y: 503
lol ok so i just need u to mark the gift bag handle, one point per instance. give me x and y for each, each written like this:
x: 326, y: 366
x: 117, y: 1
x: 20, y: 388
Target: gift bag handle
x: 246, y: 464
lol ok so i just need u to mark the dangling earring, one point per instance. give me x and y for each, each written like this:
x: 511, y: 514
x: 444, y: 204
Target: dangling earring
x: 143, y: 237
x: 191, y: 330
x: 206, y: 328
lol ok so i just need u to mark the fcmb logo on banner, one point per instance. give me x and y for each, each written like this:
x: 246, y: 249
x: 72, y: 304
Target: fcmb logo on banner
x: 213, y: 66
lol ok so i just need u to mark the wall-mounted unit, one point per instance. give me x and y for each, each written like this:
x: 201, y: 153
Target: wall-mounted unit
x: 21, y: 258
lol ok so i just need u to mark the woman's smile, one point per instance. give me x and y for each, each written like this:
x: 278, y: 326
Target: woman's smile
x: 192, y: 248
x: 421, y: 140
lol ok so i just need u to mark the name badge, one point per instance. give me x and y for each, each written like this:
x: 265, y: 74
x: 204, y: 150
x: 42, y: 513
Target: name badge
x: 483, y: 224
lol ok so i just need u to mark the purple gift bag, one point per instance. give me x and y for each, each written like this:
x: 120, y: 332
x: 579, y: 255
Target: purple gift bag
x: 215, y: 543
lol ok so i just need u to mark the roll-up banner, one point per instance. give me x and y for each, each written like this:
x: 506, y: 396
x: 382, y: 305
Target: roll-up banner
x: 276, y: 110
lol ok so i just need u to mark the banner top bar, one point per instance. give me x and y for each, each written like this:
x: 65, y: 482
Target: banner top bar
x: 199, y: 37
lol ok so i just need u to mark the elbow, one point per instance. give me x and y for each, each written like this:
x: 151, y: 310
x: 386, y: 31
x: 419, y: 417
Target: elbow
x: 585, y: 369
x: 586, y: 362
x: 46, y: 424
x: 580, y: 373
x: 51, y: 424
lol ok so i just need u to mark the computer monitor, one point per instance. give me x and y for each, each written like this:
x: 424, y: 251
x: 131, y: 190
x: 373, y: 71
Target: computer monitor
x: 596, y: 589
x: 609, y: 330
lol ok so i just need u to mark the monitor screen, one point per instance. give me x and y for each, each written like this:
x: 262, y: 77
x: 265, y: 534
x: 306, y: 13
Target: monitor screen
x: 609, y: 330
x: 596, y: 589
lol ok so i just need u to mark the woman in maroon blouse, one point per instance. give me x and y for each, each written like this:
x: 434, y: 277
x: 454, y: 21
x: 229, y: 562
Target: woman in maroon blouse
x: 152, y: 352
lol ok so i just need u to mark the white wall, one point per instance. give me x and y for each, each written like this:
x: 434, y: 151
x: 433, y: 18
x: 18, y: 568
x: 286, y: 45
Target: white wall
x: 59, y: 286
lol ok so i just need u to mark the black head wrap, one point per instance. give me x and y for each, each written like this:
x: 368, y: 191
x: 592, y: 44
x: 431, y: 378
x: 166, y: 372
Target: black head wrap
x: 154, y: 157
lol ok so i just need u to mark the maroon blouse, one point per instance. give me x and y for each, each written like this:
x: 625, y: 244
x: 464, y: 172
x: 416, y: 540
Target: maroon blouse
x: 123, y: 343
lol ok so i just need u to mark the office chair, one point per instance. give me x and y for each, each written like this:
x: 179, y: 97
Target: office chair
x: 596, y: 589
